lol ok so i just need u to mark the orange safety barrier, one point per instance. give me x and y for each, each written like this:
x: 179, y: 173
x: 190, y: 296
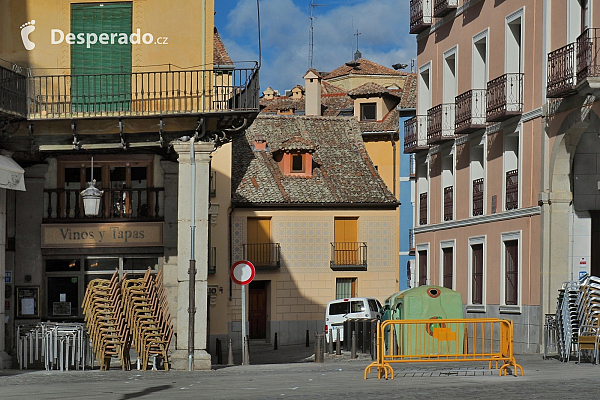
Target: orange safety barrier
x: 444, y: 340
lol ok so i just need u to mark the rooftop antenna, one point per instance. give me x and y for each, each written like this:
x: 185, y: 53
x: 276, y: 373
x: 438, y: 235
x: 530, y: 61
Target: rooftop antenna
x: 358, y: 54
x: 311, y: 42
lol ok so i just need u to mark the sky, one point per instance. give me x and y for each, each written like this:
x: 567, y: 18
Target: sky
x: 285, y: 28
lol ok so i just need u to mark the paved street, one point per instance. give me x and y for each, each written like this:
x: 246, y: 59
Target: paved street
x: 337, y: 378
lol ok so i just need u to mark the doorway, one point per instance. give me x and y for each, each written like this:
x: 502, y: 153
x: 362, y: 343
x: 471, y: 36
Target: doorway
x: 257, y: 310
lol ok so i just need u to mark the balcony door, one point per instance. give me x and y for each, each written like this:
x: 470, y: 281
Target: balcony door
x: 346, y: 240
x: 259, y: 238
x: 101, y: 73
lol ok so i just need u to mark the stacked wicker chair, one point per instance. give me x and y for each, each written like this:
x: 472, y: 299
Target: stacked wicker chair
x: 147, y: 315
x: 588, y: 313
x: 107, y: 328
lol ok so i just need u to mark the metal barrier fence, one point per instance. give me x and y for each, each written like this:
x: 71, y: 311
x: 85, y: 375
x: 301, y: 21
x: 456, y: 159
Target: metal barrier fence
x: 444, y: 340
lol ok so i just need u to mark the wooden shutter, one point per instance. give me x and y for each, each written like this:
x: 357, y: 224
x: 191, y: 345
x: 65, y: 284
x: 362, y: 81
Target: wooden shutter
x: 346, y: 245
x: 422, y: 268
x: 101, y: 78
x: 258, y: 241
x: 511, y: 260
x: 448, y: 267
x: 477, y: 265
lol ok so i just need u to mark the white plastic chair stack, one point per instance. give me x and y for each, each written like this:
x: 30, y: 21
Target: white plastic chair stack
x: 58, y: 345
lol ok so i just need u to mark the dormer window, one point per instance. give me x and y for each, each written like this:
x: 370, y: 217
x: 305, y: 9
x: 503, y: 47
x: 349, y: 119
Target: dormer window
x: 295, y: 157
x: 297, y: 163
x: 368, y: 112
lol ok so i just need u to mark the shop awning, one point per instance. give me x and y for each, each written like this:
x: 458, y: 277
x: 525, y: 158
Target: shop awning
x: 11, y: 174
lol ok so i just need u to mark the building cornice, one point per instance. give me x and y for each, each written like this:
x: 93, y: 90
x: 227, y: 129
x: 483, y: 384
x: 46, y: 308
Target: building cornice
x: 481, y: 219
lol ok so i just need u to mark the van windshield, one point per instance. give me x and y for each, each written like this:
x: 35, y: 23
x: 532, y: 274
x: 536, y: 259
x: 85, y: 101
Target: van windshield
x: 374, y: 305
x: 339, y: 308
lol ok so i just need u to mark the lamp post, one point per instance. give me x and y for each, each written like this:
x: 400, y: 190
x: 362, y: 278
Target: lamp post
x: 91, y: 196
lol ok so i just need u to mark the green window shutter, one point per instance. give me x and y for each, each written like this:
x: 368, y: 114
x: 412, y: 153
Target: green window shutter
x: 101, y: 74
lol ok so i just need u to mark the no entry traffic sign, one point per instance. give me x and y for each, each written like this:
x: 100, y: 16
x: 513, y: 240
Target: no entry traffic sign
x: 242, y: 272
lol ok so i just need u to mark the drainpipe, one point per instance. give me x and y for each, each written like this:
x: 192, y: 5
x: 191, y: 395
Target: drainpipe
x: 392, y: 134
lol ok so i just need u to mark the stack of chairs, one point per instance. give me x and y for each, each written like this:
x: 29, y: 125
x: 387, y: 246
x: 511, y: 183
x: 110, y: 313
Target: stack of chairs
x: 107, y: 328
x: 566, y: 319
x: 588, y: 314
x: 147, y: 315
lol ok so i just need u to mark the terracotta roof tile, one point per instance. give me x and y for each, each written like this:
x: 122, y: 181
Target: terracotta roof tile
x: 389, y: 123
x: 362, y: 67
x: 409, y: 94
x: 371, y: 88
x: 297, y: 143
x: 343, y: 172
x: 220, y: 55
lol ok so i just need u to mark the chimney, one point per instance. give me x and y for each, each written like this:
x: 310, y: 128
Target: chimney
x: 312, y: 92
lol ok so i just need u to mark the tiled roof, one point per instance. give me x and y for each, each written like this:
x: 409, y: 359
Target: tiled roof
x: 409, y: 94
x: 389, y: 123
x: 343, y: 172
x: 220, y: 55
x: 362, y: 67
x: 297, y: 143
x: 371, y: 88
x: 328, y: 88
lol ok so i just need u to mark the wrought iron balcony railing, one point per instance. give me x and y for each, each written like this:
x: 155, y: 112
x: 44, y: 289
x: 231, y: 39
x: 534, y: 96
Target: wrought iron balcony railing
x: 478, y: 197
x: 440, y: 123
x: 588, y: 56
x: 561, y: 72
x: 116, y: 204
x: 212, y: 260
x: 423, y: 209
x: 443, y: 7
x: 142, y: 93
x: 13, y: 93
x: 415, y: 134
x: 448, y: 203
x: 505, y: 97
x: 470, y: 111
x: 512, y: 189
x: 420, y: 15
x: 264, y: 256
x: 348, y: 256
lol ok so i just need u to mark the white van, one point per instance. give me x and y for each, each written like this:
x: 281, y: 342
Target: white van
x: 338, y: 311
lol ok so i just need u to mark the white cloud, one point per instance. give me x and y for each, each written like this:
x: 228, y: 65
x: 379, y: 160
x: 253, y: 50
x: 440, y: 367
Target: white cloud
x: 383, y: 27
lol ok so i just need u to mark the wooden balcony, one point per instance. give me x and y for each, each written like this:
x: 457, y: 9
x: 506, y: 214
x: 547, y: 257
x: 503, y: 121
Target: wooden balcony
x: 504, y: 97
x: 264, y: 256
x: 13, y: 94
x: 512, y: 190
x: 470, y: 111
x: 440, y: 123
x: 137, y: 94
x: 588, y: 57
x: 420, y: 15
x: 415, y: 134
x: 478, y: 197
x: 348, y: 256
x: 448, y: 203
x: 561, y: 72
x: 423, y: 209
x: 443, y: 7
x: 66, y: 205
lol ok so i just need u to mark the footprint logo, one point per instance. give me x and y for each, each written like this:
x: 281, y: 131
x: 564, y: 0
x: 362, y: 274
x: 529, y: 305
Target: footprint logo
x: 26, y: 29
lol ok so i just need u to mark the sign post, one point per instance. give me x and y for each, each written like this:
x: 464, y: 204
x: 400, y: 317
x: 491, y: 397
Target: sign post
x: 242, y: 273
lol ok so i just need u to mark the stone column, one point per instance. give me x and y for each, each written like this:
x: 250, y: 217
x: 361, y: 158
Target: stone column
x: 202, y: 360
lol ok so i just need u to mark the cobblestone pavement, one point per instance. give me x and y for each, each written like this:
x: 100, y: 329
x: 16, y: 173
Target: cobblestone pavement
x: 339, y: 377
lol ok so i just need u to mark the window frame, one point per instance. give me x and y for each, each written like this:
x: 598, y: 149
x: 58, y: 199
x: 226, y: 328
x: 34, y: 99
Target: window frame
x: 507, y: 237
x: 419, y: 248
x: 471, y: 307
x: 447, y: 244
x: 362, y: 111
x: 353, y: 289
